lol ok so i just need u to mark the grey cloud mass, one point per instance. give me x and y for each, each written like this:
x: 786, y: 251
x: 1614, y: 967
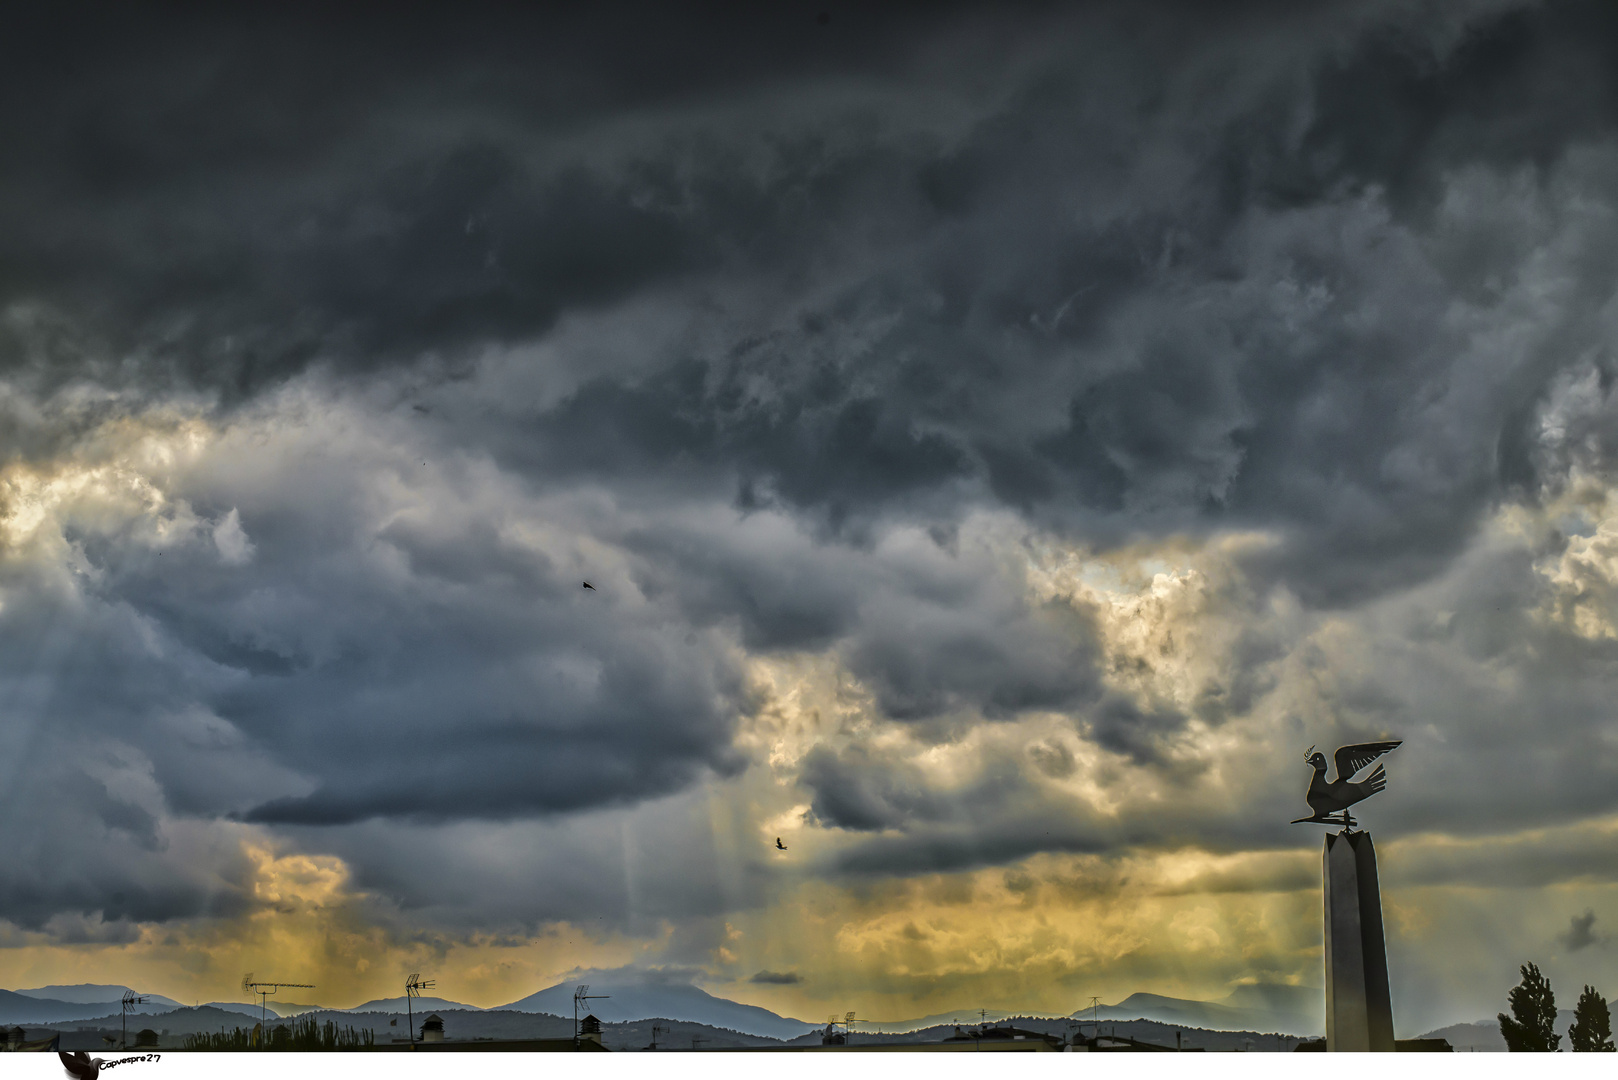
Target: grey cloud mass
x: 777, y: 978
x: 753, y: 322
x: 1579, y: 933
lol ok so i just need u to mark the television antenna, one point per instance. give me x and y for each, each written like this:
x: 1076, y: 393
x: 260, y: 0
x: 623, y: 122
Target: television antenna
x: 848, y: 1023
x: 264, y: 989
x: 413, y: 988
x: 657, y: 1029
x: 582, y: 993
x: 131, y: 999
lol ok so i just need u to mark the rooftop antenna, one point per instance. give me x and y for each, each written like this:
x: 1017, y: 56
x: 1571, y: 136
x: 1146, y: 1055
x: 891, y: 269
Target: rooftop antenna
x: 413, y: 988
x: 582, y: 994
x: 264, y: 988
x: 131, y: 999
x: 848, y: 1023
x: 657, y: 1029
x: 1095, y: 1021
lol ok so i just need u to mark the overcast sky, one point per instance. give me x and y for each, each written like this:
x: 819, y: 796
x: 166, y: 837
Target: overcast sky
x: 1001, y: 441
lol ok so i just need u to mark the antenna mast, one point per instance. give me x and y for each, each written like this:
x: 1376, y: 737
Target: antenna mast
x: 131, y: 999
x: 264, y: 989
x: 582, y: 994
x: 413, y: 988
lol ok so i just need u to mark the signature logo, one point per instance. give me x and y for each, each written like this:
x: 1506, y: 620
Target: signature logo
x: 82, y: 1066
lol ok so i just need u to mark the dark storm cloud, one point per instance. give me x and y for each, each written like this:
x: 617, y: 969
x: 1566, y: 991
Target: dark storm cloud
x: 777, y: 978
x: 852, y: 791
x: 1122, y: 726
x: 932, y: 629
x: 1320, y: 274
x: 629, y: 869
x: 925, y: 659
x: 96, y: 861
x: 484, y: 683
x: 1106, y: 334
x: 929, y: 849
x: 817, y: 448
x: 1579, y: 934
x: 229, y: 197
x: 441, y: 192
x: 1421, y: 667
x: 315, y: 668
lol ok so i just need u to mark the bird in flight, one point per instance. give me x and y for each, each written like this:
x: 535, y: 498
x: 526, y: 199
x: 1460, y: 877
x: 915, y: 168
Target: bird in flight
x: 589, y: 586
x: 780, y: 845
x: 1336, y: 796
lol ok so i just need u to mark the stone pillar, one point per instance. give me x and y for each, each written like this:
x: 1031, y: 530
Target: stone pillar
x: 1359, y: 1009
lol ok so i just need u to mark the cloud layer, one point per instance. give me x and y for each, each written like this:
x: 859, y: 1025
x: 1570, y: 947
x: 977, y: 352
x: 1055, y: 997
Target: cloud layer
x: 1000, y: 442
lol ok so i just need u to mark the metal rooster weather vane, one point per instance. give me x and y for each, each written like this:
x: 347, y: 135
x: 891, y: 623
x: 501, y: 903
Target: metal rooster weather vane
x: 1327, y: 798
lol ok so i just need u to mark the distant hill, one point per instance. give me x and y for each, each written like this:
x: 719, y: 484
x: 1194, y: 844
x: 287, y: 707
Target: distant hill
x: 459, y: 1026
x: 421, y: 1005
x: 89, y: 993
x: 172, y: 1026
x: 1484, y: 1035
x: 627, y: 1001
x: 471, y: 1025
x: 1301, y: 1001
x: 1257, y: 1007
x: 18, y: 1008
x: 1150, y: 1031
x: 275, y: 1008
x: 959, y: 1016
x: 1260, y: 1007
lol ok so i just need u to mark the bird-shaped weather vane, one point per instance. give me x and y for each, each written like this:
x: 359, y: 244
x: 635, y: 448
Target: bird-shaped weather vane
x: 1334, y: 797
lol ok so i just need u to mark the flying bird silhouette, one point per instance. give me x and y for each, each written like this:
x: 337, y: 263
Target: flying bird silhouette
x: 1336, y: 796
x: 780, y: 845
x: 589, y: 586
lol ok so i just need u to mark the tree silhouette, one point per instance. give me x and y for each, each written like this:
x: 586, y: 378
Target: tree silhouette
x: 1532, y: 1024
x: 1592, y: 1023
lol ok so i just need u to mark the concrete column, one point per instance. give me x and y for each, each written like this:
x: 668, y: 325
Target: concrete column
x: 1359, y: 1009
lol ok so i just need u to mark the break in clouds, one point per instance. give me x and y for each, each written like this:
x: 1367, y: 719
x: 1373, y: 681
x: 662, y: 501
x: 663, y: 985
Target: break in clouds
x: 988, y: 433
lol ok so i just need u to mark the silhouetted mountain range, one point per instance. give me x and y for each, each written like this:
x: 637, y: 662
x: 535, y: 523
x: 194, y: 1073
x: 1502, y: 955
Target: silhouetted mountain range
x: 945, y: 1019
x: 421, y: 1005
x: 272, y: 1006
x: 1479, y: 1037
x: 1250, y: 1015
x: 1296, y: 1010
x: 19, y: 1007
x: 90, y: 993
x: 1262, y: 1008
x: 625, y: 1001
x: 1484, y: 1035
x: 1258, y: 1008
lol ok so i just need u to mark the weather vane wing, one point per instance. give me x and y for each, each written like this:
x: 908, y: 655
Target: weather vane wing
x: 1330, y: 800
x: 1351, y: 759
